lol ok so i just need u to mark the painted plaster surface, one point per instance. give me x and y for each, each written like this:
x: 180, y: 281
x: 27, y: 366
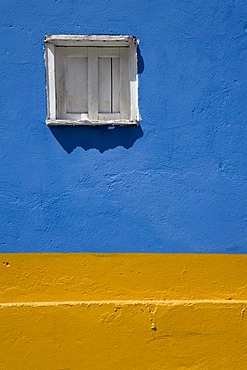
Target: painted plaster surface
x: 115, y: 336
x: 76, y: 311
x: 48, y: 277
x: 176, y: 183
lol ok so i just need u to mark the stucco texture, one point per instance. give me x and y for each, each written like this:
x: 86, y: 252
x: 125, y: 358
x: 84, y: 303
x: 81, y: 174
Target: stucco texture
x: 123, y: 311
x: 176, y: 183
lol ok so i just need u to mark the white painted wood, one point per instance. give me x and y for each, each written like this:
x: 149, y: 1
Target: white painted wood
x: 105, y: 96
x: 79, y: 52
x: 76, y: 84
x: 115, y: 85
x: 76, y: 117
x: 124, y: 84
x: 60, y: 83
x: 51, y: 88
x: 93, y: 83
x: 109, y: 81
x: 71, y: 82
x: 133, y: 82
x: 90, y: 40
x: 114, y: 122
x: 112, y: 52
x: 109, y: 116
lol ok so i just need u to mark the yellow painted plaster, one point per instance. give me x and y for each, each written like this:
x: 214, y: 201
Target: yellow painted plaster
x: 68, y: 277
x: 83, y: 311
x: 130, y: 335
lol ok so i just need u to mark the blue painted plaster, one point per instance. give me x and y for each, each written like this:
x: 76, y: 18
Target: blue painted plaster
x: 175, y: 184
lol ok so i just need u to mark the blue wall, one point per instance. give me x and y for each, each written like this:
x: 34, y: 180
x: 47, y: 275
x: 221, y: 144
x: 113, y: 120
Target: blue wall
x: 178, y: 182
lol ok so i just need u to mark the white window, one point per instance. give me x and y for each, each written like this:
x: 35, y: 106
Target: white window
x: 91, y: 80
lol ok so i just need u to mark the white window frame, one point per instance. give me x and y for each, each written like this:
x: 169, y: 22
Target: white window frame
x: 128, y: 79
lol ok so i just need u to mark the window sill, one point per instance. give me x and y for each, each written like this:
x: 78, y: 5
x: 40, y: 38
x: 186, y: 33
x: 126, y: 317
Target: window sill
x: 117, y: 122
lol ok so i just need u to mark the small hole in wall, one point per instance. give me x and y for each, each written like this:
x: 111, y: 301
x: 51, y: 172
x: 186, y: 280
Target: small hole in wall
x: 6, y: 264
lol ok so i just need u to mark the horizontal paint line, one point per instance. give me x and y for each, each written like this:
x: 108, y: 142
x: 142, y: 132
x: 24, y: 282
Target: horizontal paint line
x: 122, y: 302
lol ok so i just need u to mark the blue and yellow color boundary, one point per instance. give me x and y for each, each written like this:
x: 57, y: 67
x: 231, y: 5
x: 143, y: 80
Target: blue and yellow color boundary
x: 123, y: 311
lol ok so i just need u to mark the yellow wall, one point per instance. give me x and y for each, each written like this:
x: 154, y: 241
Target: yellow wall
x: 123, y: 311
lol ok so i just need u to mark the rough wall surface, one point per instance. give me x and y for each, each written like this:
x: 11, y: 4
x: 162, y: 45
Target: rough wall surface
x: 123, y: 311
x: 178, y: 182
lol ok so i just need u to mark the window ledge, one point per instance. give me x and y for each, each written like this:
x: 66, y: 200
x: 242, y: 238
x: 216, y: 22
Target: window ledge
x: 89, y: 40
x: 118, y: 122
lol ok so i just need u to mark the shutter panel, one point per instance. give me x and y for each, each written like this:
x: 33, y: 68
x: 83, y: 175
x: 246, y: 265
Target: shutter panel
x: 109, y: 83
x: 72, y: 80
x: 76, y: 85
